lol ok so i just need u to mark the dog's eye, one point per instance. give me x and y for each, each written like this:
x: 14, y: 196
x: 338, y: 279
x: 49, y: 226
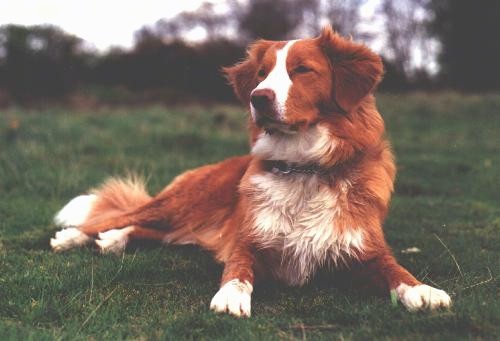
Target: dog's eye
x: 302, y: 69
x: 262, y: 73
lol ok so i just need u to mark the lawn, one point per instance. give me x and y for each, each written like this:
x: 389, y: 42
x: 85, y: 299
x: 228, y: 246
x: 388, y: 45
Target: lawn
x: 447, y: 204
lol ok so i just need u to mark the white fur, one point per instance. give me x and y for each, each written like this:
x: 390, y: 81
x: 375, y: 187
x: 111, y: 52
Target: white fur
x: 422, y: 297
x: 76, y: 211
x: 310, y: 146
x: 234, y: 297
x: 278, y: 80
x: 68, y: 238
x: 294, y: 217
x: 114, y: 241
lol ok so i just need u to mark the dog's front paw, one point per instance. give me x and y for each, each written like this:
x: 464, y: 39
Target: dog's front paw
x: 234, y: 298
x: 422, y: 296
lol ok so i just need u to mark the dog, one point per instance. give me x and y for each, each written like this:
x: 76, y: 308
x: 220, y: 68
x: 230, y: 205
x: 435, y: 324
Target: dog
x: 312, y: 194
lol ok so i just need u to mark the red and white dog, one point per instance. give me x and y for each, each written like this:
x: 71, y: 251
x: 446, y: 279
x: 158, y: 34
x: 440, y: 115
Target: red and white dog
x: 313, y: 192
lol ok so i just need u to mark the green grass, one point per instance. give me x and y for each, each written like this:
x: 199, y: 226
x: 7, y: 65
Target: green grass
x: 446, y: 204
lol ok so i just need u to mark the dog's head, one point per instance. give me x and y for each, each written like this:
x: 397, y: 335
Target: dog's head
x: 292, y: 85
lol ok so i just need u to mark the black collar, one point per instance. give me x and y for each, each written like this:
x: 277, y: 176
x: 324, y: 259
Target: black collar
x: 283, y: 167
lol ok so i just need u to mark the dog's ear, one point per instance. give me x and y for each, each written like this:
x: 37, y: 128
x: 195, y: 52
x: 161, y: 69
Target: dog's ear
x: 356, y: 69
x: 243, y: 75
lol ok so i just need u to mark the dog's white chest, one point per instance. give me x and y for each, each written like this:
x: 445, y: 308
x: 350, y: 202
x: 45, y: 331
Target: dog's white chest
x: 295, y: 216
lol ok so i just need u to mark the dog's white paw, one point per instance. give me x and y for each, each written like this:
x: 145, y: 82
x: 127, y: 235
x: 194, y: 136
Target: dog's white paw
x: 113, y: 241
x: 422, y: 296
x: 234, y: 298
x: 76, y: 211
x: 68, y: 238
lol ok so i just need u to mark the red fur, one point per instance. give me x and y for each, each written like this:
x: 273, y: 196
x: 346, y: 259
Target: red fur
x: 116, y: 196
x: 212, y: 206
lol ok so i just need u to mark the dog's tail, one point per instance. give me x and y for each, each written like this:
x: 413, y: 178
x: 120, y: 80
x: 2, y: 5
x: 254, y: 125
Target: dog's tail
x: 113, y: 198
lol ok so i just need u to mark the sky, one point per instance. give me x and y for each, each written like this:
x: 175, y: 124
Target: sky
x: 102, y: 23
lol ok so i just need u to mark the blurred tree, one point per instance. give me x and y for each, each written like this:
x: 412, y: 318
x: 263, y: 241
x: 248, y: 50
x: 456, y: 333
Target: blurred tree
x: 254, y: 19
x: 39, y: 61
x: 111, y: 69
x: 405, y: 29
x: 470, y: 52
x: 205, y: 17
x: 273, y: 20
x: 408, y: 50
x: 147, y: 38
x: 344, y: 16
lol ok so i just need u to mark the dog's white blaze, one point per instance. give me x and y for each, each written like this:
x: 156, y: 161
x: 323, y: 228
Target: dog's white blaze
x: 295, y: 216
x: 114, y: 241
x: 278, y: 80
x: 233, y: 297
x: 311, y: 146
x: 76, y: 211
x: 422, y: 297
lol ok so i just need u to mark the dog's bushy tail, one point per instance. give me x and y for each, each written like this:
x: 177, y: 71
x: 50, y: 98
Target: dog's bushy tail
x: 117, y: 196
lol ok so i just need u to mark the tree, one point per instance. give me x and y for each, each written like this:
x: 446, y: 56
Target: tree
x: 470, y: 52
x: 205, y: 16
x: 39, y: 61
x: 405, y: 29
x: 273, y: 20
x: 343, y: 15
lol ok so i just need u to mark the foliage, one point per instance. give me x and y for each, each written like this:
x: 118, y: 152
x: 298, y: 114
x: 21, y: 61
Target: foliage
x: 447, y: 189
x: 39, y: 61
x: 470, y: 46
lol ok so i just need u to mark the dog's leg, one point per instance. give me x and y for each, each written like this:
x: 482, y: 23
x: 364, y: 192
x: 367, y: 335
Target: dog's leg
x: 234, y: 295
x: 385, y: 272
x: 81, y: 233
x: 115, y: 241
x: 72, y: 237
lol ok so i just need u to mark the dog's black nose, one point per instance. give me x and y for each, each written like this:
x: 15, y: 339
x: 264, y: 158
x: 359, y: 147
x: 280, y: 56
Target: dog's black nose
x: 263, y: 99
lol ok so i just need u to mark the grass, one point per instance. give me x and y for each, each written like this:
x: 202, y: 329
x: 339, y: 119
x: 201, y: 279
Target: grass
x: 447, y: 204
